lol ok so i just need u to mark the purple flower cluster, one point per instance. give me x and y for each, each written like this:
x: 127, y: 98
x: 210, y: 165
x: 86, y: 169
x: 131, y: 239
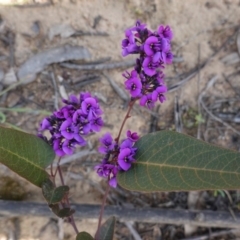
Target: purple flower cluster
x: 146, y: 82
x: 117, y: 157
x: 67, y: 126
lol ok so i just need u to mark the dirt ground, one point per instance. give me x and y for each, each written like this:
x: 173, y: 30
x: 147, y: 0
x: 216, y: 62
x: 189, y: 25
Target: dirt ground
x: 206, y: 47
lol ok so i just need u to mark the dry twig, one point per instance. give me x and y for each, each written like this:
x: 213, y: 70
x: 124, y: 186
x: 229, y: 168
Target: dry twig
x: 210, y: 83
x: 100, y: 66
x: 135, y: 234
x: 116, y: 88
x: 202, y: 218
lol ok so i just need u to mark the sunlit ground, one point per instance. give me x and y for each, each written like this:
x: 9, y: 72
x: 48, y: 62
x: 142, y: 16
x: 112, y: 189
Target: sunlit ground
x: 21, y: 2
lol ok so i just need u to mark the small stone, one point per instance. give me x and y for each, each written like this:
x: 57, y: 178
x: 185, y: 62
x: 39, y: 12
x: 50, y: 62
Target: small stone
x: 10, y: 77
x: 12, y: 99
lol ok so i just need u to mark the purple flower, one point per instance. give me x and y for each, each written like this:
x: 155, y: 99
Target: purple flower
x: 84, y: 95
x: 129, y: 44
x: 113, y: 182
x: 91, y: 108
x: 57, y: 147
x: 132, y: 136
x: 107, y: 143
x: 127, y: 143
x: 45, y: 125
x: 165, y: 32
x: 150, y: 67
x: 96, y: 124
x: 67, y: 129
x: 117, y: 157
x: 134, y: 85
x: 73, y: 100
x: 77, y: 116
x: 107, y: 171
x: 169, y: 58
x: 147, y: 100
x: 154, y: 49
x: 160, y: 78
x: 149, y: 45
x: 158, y: 94
x: 68, y: 146
x: 125, y: 158
x: 80, y: 140
x: 67, y: 126
x: 103, y: 169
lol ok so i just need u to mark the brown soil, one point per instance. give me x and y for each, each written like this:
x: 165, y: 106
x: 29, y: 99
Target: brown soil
x: 200, y: 28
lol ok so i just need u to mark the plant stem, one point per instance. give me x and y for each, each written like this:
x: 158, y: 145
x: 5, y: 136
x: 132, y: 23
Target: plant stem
x: 130, y: 106
x: 102, y: 210
x: 71, y: 219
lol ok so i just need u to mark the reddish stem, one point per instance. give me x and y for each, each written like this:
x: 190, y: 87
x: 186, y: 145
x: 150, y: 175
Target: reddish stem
x: 130, y: 106
x: 102, y: 211
x: 71, y: 219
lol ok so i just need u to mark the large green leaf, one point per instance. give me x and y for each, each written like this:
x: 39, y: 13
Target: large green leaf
x: 106, y: 231
x: 25, y: 154
x: 84, y: 236
x: 170, y: 161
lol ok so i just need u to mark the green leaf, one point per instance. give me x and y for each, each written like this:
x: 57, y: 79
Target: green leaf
x: 106, y: 231
x: 25, y: 154
x: 84, y: 236
x: 66, y: 212
x: 170, y: 161
x: 55, y: 208
x: 62, y: 213
x: 52, y: 194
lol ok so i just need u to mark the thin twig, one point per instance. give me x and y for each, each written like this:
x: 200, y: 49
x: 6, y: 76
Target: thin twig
x: 116, y: 88
x: 177, y: 116
x: 204, y: 218
x: 209, y: 236
x: 56, y: 104
x: 230, y: 84
x: 101, y: 66
x: 80, y: 33
x: 210, y: 83
x: 134, y: 233
x: 12, y: 86
x: 33, y: 5
x: 11, y: 39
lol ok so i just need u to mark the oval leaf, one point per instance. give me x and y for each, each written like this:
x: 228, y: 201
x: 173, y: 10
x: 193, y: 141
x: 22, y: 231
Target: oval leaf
x: 66, y: 212
x: 170, y: 161
x: 84, y: 236
x: 106, y: 231
x: 25, y: 154
x: 62, y: 213
x: 53, y: 194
